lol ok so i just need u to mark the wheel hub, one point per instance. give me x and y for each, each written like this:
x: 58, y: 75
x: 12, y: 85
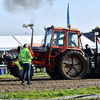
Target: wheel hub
x: 72, y: 66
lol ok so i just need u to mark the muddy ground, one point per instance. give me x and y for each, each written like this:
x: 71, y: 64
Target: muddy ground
x: 46, y: 83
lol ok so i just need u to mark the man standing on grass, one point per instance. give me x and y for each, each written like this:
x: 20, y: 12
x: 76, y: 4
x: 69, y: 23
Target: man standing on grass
x: 25, y: 57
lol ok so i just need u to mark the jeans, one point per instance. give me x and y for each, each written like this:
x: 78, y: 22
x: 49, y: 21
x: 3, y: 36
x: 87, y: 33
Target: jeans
x: 26, y: 71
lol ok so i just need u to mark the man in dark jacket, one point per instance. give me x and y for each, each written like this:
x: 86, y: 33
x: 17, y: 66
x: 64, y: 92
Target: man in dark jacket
x: 1, y: 60
x: 89, y: 51
x: 7, y: 57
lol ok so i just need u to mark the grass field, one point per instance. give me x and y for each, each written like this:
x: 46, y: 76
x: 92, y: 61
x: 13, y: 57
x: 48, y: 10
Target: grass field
x: 7, y: 76
x: 38, y: 74
x: 45, y: 94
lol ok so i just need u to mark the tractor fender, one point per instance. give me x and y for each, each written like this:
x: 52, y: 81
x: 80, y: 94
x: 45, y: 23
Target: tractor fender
x: 63, y: 50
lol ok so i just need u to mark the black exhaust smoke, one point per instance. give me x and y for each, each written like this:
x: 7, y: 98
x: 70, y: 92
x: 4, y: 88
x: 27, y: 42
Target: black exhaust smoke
x: 21, y: 5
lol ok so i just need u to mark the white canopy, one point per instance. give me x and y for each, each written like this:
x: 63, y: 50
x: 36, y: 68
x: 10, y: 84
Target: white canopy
x: 9, y: 42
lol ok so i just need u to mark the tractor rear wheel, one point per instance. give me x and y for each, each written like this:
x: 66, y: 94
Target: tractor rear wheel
x: 52, y: 73
x: 13, y: 71
x: 71, y: 65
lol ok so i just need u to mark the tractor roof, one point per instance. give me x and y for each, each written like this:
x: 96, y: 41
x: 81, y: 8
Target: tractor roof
x: 63, y: 28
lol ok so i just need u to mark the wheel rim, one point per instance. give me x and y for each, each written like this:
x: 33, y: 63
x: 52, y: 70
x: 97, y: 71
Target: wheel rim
x: 72, y: 66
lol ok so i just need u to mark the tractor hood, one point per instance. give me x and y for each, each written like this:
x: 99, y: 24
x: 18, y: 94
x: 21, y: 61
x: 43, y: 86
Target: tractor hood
x: 39, y: 49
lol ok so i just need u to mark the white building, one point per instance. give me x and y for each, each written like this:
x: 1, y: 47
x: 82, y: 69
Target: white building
x: 9, y: 42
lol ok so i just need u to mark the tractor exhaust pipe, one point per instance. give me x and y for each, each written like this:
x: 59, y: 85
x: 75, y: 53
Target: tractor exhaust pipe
x: 32, y: 37
x: 31, y: 26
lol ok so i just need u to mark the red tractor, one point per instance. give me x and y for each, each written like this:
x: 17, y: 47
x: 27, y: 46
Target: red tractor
x: 60, y: 53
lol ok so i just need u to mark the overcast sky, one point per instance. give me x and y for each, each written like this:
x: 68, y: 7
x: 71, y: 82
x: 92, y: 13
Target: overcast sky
x: 84, y: 15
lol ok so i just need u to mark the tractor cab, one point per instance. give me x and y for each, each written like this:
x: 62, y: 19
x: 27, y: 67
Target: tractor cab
x: 57, y: 39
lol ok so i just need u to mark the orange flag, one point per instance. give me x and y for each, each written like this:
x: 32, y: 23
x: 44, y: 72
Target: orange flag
x: 31, y: 51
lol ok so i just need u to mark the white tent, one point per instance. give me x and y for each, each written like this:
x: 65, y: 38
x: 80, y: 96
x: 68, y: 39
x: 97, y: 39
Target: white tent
x: 9, y: 42
x: 27, y: 39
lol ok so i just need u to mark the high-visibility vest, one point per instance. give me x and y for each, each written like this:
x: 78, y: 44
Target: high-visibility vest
x: 25, y: 56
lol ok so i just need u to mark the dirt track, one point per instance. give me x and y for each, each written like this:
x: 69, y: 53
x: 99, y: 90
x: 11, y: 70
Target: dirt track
x: 46, y: 83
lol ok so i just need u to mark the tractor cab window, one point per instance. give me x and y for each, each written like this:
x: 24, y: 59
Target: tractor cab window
x: 58, y: 38
x: 73, y: 39
x: 48, y: 36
